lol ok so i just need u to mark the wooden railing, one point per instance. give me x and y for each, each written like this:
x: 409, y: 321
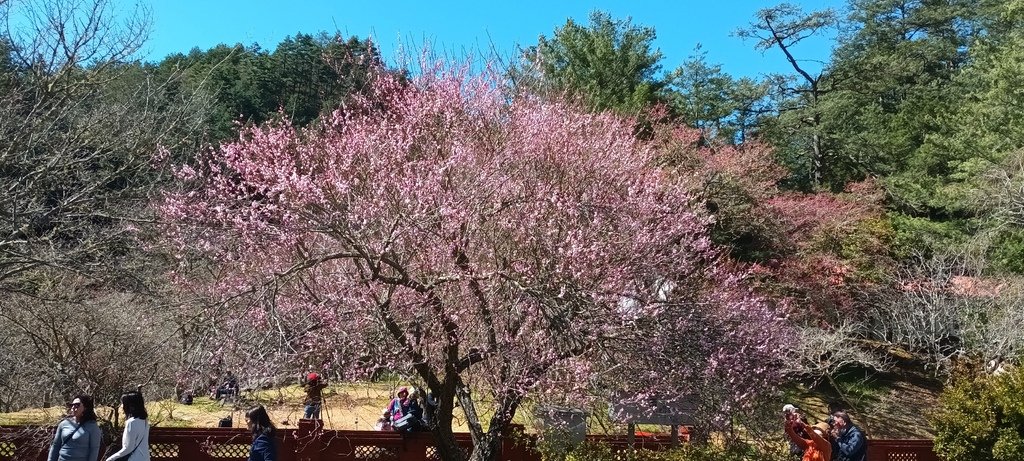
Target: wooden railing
x: 307, y: 443
x: 310, y: 443
x: 901, y: 450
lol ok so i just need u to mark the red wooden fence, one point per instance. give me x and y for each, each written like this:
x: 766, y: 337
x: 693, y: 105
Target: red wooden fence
x: 901, y: 450
x: 310, y: 443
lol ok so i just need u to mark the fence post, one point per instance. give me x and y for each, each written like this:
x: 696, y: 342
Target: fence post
x: 286, y: 445
x: 191, y: 448
x: 414, y: 446
x: 307, y: 440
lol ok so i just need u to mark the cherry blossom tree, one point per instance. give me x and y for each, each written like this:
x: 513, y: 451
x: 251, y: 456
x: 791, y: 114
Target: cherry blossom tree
x: 497, y: 247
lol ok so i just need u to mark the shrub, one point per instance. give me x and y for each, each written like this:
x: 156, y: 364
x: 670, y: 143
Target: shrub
x: 689, y: 452
x: 981, y: 419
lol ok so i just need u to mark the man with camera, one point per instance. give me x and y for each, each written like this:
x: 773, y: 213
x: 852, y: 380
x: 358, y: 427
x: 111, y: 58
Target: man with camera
x: 848, y: 441
x: 792, y: 413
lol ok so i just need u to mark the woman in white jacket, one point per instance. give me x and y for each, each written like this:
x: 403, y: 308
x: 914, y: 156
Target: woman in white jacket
x: 135, y: 441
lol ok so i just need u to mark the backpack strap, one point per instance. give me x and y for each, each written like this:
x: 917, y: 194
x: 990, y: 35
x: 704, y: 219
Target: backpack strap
x: 395, y: 409
x: 72, y: 434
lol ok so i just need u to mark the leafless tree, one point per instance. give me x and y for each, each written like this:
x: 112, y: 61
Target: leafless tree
x: 1001, y: 192
x: 79, y: 125
x: 81, y: 122
x: 945, y: 307
x: 81, y: 340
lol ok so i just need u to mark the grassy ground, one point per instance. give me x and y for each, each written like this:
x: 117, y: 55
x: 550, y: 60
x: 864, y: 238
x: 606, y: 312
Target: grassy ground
x: 347, y: 406
x: 885, y: 409
x: 353, y: 406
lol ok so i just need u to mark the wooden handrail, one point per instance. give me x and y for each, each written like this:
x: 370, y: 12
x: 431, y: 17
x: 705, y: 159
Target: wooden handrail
x: 311, y: 442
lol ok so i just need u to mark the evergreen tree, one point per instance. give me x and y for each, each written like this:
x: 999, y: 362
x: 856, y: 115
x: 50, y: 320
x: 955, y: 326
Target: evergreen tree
x: 608, y: 64
x: 720, y: 106
x: 798, y: 131
x: 303, y: 77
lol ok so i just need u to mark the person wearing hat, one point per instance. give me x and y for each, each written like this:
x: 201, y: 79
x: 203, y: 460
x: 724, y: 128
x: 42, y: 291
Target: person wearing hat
x: 792, y: 412
x: 816, y: 445
x: 314, y: 387
x: 402, y: 412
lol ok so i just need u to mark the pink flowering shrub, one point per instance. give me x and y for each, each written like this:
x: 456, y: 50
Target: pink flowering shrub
x: 820, y: 250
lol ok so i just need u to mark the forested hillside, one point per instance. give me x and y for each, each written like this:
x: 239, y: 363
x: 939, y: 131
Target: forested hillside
x: 542, y: 231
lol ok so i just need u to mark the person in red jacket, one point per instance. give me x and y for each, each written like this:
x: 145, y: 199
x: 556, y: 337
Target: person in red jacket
x: 816, y: 446
x: 314, y: 387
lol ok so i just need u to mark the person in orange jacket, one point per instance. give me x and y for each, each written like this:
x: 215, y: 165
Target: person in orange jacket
x: 816, y: 446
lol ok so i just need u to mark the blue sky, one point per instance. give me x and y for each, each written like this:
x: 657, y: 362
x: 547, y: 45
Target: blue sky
x: 458, y: 27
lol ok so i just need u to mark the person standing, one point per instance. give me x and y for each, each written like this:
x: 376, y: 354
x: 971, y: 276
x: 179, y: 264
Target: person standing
x: 135, y: 440
x: 816, y: 446
x: 314, y: 388
x: 791, y: 412
x: 78, y: 436
x: 429, y: 410
x: 849, y: 441
x: 415, y: 409
x: 264, y: 446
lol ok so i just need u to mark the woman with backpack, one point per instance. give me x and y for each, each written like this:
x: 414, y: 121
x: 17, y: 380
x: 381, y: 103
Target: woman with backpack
x: 78, y: 436
x: 403, y: 412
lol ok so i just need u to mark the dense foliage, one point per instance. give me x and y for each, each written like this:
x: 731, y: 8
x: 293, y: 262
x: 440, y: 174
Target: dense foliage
x: 516, y: 247
x: 980, y: 419
x: 302, y: 77
x: 608, y: 65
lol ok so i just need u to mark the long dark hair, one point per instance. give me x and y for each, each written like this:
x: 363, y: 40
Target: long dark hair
x: 259, y: 421
x: 134, y: 405
x: 88, y: 413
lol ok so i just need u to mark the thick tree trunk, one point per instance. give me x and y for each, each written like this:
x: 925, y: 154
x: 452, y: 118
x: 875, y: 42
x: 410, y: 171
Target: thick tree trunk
x: 447, y: 448
x: 489, y: 447
x: 441, y: 418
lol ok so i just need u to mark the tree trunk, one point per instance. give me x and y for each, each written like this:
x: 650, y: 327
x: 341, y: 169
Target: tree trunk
x: 816, y: 160
x: 444, y: 438
x: 488, y: 448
